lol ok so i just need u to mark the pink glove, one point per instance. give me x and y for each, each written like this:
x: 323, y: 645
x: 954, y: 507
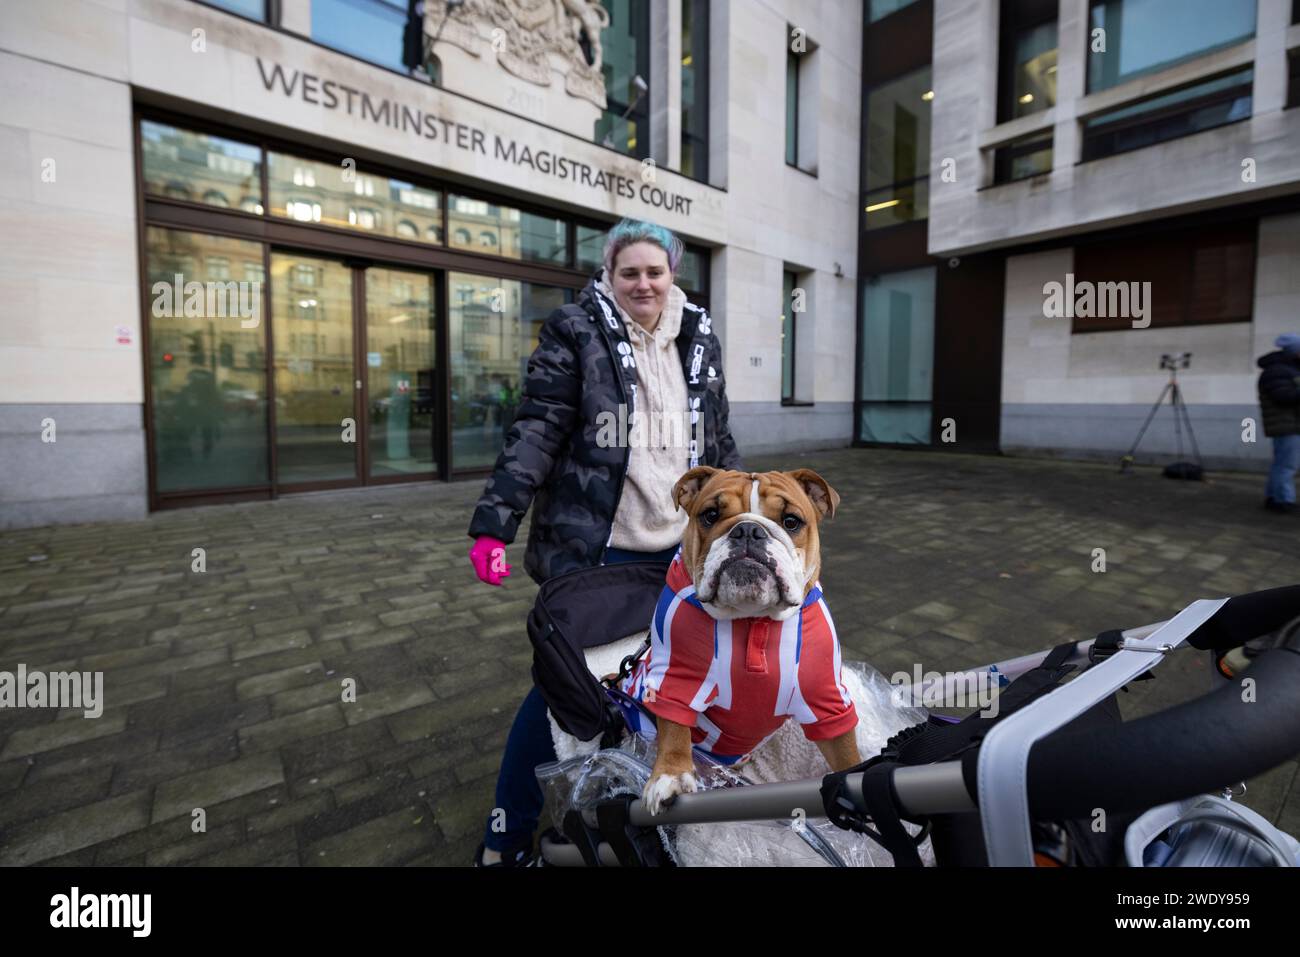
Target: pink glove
x: 489, y: 558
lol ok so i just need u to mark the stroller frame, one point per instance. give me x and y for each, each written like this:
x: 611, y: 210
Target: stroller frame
x: 1004, y: 775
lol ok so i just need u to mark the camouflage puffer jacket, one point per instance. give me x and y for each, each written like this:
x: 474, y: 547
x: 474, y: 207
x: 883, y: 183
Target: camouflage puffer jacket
x: 581, y: 372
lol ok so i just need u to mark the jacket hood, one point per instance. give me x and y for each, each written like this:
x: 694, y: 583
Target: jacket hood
x: 1273, y: 358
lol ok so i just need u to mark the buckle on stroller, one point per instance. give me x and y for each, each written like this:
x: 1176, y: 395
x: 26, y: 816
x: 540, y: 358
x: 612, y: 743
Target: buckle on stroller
x: 881, y: 809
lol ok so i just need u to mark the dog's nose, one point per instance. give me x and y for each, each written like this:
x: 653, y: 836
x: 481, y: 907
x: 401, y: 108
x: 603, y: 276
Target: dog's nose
x: 748, y: 530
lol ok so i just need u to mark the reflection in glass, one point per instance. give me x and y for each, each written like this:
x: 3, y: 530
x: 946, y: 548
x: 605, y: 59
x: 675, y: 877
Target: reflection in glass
x: 787, y: 336
x: 254, y: 9
x: 693, y: 271
x: 494, y: 327
x: 311, y: 309
x: 207, y: 362
x: 591, y: 248
x: 373, y: 30
x: 625, y: 56
x: 896, y: 375
x: 485, y: 227
x: 1147, y: 35
x: 401, y: 330
x: 1201, y: 106
x: 1033, y: 82
x: 791, y: 108
x: 883, y: 8
x: 309, y: 191
x: 898, y: 204
x: 695, y: 73
x: 1021, y: 159
x: 898, y: 130
x: 179, y: 164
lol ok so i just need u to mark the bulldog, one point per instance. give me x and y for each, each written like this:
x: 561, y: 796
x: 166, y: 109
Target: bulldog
x: 741, y: 639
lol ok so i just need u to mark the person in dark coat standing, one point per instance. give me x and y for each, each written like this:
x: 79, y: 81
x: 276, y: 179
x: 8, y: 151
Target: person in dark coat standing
x: 1279, y: 401
x: 631, y: 351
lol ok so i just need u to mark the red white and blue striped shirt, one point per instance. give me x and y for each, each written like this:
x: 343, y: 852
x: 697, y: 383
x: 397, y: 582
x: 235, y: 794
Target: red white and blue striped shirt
x: 735, y: 682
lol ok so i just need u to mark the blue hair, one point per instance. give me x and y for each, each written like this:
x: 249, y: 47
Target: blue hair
x: 630, y: 231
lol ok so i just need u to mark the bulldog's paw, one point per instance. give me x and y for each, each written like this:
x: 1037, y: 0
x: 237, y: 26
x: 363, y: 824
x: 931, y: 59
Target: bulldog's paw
x: 660, y: 791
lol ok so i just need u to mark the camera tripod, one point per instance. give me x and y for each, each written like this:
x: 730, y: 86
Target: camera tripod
x: 1178, y: 469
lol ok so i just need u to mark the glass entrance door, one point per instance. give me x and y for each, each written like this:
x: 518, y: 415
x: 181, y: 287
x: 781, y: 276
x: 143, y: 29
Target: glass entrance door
x: 401, y: 388
x: 316, y: 423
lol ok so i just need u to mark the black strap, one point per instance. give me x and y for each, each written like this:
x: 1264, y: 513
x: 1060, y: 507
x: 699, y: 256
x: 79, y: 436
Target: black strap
x: 882, y: 804
x: 583, y: 838
x: 612, y: 817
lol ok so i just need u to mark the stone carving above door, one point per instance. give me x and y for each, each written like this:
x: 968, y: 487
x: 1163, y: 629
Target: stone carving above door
x: 532, y: 39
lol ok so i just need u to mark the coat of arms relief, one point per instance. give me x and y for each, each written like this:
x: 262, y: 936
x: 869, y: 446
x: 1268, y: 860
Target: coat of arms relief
x: 532, y: 39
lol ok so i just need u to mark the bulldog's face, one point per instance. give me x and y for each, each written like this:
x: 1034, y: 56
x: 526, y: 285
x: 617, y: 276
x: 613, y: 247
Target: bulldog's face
x: 751, y: 546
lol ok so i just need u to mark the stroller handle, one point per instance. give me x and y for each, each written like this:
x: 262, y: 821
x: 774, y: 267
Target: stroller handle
x: 1238, y: 731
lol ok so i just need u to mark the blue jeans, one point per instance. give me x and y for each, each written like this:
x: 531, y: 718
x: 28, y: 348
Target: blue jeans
x: 518, y: 793
x: 1286, y: 461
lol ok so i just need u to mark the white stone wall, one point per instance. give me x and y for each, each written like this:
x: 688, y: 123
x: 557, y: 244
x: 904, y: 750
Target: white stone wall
x: 1113, y: 377
x: 780, y: 217
x: 68, y: 265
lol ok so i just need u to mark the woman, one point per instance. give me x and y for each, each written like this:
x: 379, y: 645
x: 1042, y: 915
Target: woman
x: 630, y: 343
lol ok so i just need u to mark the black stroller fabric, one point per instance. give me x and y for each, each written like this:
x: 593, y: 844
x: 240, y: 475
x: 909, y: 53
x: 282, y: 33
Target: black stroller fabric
x: 585, y: 609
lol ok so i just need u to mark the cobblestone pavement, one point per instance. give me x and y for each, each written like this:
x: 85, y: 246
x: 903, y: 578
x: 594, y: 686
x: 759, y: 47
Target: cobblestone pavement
x: 223, y: 693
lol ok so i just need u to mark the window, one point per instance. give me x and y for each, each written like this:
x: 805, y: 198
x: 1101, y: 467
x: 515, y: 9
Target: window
x: 1023, y: 158
x: 494, y: 325
x: 591, y: 245
x: 879, y: 9
x: 1191, y: 109
x: 207, y: 372
x: 181, y: 164
x: 1293, y: 78
x: 791, y: 107
x: 310, y: 191
x: 695, y: 89
x: 693, y: 272
x: 506, y: 231
x: 897, y: 155
x: 1196, y: 277
x: 895, y: 378
x: 625, y: 56
x: 389, y: 33
x: 1142, y: 36
x: 253, y: 9
x: 788, y: 335
x: 1027, y: 66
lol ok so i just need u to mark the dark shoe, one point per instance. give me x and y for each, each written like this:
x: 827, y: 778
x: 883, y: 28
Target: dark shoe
x: 1285, y: 508
x: 520, y: 857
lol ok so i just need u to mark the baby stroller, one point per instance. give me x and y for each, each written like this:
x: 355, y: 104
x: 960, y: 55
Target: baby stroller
x: 1051, y: 777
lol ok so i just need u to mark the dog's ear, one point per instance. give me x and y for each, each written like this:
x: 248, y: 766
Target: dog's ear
x: 824, y: 498
x: 689, y: 485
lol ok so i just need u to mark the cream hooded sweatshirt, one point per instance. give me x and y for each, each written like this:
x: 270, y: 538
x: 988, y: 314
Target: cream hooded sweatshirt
x: 646, y: 520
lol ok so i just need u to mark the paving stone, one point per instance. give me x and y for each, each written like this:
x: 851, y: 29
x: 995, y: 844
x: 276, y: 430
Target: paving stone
x: 377, y: 704
x: 257, y: 686
x: 58, y: 734
x: 74, y: 829
x: 271, y: 734
x: 214, y: 785
x: 383, y: 841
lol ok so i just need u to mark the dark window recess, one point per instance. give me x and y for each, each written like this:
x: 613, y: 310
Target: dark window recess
x: 1192, y: 109
x: 1198, y: 277
x: 695, y: 89
x: 1027, y: 49
x: 1023, y: 159
x: 1293, y: 82
x: 1295, y: 11
x: 791, y: 107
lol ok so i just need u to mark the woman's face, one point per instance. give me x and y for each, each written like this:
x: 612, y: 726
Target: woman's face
x: 641, y: 282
